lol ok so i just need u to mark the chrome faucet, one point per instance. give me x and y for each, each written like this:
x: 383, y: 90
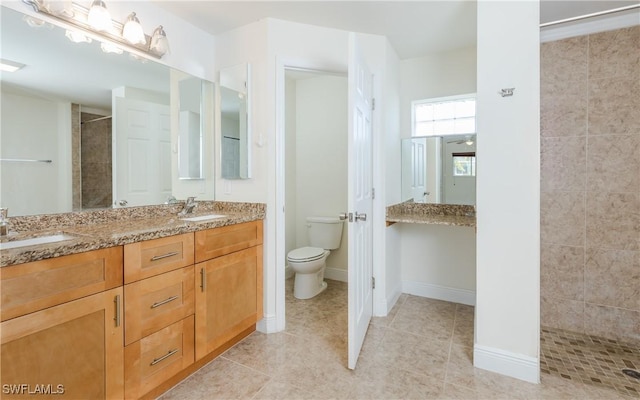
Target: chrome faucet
x: 189, y: 205
x: 4, y: 222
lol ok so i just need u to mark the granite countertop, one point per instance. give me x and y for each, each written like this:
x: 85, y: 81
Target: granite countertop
x: 435, y: 214
x: 93, y: 232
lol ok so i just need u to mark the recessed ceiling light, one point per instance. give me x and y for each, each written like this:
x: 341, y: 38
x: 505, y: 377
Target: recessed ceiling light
x: 10, y: 66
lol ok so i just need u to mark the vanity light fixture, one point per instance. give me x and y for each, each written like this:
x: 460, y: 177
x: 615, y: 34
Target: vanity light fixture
x: 99, y: 17
x: 96, y: 23
x: 132, y: 30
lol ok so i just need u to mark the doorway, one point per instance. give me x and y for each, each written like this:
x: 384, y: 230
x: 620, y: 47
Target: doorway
x: 315, y: 181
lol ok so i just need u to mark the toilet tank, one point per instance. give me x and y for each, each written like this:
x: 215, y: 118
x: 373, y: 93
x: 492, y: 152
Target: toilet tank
x: 324, y: 232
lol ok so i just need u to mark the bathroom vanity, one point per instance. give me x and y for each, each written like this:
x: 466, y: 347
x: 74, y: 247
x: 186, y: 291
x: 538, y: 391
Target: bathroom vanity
x: 130, y: 310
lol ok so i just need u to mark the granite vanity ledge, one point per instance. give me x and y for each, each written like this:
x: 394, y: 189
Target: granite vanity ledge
x: 95, y: 230
x: 434, y: 214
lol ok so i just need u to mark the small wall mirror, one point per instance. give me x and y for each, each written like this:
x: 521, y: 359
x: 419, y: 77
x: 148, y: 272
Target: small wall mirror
x: 235, y: 122
x: 190, y: 134
x: 439, y: 169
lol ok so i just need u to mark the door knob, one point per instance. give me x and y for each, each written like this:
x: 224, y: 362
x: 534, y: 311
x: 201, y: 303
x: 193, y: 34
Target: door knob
x: 346, y: 216
x: 361, y: 217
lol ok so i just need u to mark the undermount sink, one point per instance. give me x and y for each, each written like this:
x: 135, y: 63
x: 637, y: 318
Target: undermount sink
x: 35, y: 241
x: 203, y: 217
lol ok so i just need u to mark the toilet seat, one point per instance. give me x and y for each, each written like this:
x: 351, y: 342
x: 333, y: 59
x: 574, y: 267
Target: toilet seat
x: 304, y: 254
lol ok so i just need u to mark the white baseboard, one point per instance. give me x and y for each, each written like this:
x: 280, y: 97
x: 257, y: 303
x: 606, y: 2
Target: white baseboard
x: 454, y: 295
x: 268, y: 324
x: 517, y: 366
x: 336, y: 274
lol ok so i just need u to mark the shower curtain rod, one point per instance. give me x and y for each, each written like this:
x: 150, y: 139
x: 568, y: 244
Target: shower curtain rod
x: 96, y: 119
x: 595, y: 14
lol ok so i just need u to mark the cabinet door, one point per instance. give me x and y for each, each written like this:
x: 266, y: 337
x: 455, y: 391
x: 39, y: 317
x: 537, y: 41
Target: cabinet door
x: 217, y: 242
x: 70, y: 351
x: 228, y: 297
x: 153, y: 303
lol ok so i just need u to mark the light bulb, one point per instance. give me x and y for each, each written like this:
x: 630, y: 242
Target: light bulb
x: 60, y: 7
x: 159, y: 41
x: 99, y: 17
x: 132, y: 31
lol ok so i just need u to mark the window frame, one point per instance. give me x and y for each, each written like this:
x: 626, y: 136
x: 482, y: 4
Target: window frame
x: 444, y: 99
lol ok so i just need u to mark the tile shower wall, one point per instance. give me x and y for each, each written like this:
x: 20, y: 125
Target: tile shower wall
x: 590, y: 184
x: 96, y: 161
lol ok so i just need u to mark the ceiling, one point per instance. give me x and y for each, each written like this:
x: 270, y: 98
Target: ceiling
x: 414, y: 28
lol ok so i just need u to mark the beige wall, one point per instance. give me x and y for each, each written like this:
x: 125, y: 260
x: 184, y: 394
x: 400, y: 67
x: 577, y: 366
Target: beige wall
x: 590, y: 184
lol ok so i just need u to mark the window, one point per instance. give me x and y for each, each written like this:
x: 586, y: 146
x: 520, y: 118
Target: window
x: 444, y: 116
x: 464, y: 164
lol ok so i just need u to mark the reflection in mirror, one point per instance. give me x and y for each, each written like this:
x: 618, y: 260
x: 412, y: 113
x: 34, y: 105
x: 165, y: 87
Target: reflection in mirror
x: 62, y: 106
x: 234, y: 122
x: 439, y: 169
x: 190, y: 134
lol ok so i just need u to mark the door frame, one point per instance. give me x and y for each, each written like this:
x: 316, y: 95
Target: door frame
x: 277, y: 322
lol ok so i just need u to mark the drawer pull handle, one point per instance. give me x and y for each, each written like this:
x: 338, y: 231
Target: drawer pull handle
x: 158, y: 304
x: 164, y: 357
x: 203, y: 280
x: 116, y: 301
x: 156, y: 258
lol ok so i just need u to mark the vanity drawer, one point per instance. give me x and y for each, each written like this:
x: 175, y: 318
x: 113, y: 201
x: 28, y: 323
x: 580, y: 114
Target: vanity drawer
x: 154, y: 303
x: 41, y: 284
x: 157, y: 256
x: 151, y: 361
x: 212, y: 243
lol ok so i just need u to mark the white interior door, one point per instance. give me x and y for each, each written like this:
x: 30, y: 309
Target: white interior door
x: 142, y: 153
x: 360, y: 200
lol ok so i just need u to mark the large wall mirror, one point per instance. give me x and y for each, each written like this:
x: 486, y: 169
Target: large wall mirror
x: 85, y: 129
x: 235, y: 151
x: 439, y: 169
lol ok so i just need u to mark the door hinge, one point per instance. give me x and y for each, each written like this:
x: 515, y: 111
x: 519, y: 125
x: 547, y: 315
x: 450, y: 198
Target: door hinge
x: 373, y: 104
x: 373, y: 282
x: 373, y: 193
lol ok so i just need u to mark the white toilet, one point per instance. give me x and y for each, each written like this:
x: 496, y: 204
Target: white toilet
x: 308, y: 263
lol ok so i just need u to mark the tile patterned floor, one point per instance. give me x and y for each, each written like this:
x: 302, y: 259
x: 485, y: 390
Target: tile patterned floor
x: 590, y: 359
x: 421, y: 350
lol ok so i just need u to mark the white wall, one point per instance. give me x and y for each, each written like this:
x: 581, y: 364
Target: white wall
x: 291, y: 197
x: 507, y: 326
x: 435, y: 75
x: 321, y: 158
x: 438, y: 261
x: 39, y: 129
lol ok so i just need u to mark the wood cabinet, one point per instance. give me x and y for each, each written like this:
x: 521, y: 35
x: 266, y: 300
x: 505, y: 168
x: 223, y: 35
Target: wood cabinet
x: 128, y: 322
x: 61, y: 332
x: 229, y: 289
x: 71, y: 351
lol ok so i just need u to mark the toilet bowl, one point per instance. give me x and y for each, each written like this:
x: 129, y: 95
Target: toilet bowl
x: 309, y: 262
